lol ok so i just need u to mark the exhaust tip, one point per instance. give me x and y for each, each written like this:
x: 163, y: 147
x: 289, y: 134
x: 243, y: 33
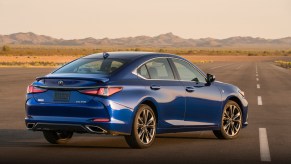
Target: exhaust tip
x: 30, y: 125
x: 96, y: 129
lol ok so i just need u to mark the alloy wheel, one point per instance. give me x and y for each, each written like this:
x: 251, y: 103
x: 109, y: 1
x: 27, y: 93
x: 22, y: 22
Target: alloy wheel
x: 146, y: 128
x: 231, y: 120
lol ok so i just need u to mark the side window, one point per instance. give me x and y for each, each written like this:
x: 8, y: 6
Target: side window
x: 115, y: 65
x: 160, y: 69
x: 187, y: 72
x: 142, y: 71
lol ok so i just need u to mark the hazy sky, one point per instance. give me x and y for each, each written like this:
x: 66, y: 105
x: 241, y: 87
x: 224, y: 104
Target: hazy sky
x: 122, y: 18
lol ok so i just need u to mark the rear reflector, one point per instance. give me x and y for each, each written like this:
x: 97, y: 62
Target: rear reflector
x: 101, y: 120
x: 33, y: 89
x: 102, y: 91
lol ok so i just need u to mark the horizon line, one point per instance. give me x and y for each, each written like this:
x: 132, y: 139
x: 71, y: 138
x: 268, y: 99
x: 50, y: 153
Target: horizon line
x: 146, y: 36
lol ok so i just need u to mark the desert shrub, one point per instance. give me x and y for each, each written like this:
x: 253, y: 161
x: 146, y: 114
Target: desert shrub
x: 5, y: 48
x: 252, y: 54
x: 34, y: 63
x: 284, y: 64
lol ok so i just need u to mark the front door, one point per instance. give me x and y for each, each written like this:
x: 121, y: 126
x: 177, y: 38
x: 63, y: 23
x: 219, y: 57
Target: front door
x: 203, y: 101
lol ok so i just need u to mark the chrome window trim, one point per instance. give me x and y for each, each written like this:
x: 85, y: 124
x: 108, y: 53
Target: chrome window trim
x: 193, y: 66
x: 135, y: 70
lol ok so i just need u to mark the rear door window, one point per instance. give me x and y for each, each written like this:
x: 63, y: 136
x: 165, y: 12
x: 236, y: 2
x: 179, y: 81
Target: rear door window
x: 143, y: 72
x: 160, y: 69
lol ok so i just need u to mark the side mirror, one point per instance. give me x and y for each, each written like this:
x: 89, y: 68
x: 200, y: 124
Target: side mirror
x: 210, y: 78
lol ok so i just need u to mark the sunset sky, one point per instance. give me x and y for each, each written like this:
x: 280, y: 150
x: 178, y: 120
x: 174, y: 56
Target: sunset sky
x: 76, y: 19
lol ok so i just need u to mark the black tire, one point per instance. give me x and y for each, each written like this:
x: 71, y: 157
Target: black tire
x: 54, y: 137
x: 143, y: 129
x: 231, y: 121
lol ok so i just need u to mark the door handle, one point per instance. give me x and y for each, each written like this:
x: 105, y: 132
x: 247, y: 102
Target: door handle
x: 155, y: 87
x: 190, y: 89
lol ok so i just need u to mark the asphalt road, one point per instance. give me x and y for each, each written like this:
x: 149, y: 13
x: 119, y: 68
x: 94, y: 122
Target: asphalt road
x: 271, y: 112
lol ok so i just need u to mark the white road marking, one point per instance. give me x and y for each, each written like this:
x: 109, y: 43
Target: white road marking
x: 257, y: 74
x: 260, y: 102
x: 257, y: 79
x: 258, y: 86
x: 256, y: 68
x: 221, y: 66
x: 238, y: 67
x: 264, y: 145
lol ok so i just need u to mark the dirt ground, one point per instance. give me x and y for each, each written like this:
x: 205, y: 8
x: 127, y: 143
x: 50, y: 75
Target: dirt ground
x: 193, y: 58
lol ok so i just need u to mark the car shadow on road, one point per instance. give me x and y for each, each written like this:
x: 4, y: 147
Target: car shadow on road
x: 204, y: 135
x: 24, y: 138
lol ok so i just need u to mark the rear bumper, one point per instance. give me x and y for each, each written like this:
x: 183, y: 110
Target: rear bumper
x: 79, y: 117
x: 79, y: 125
x: 66, y: 127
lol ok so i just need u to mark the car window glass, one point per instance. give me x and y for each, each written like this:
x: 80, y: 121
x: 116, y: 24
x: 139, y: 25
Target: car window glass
x: 188, y: 72
x: 114, y: 65
x: 142, y: 71
x: 92, y: 66
x: 160, y: 69
x: 89, y: 67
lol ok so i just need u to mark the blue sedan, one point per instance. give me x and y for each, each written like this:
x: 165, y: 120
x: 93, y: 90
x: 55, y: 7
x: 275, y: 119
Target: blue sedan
x: 134, y: 94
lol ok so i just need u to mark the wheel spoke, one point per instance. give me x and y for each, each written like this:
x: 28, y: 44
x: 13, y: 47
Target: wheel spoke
x: 236, y: 116
x: 236, y: 121
x: 226, y: 115
x: 139, y: 126
x: 140, y: 134
x: 232, y: 111
x: 231, y: 129
x: 140, y: 120
x: 226, y: 127
x: 236, y: 127
x: 150, y: 121
x: 151, y: 126
x: 145, y: 116
x: 147, y: 137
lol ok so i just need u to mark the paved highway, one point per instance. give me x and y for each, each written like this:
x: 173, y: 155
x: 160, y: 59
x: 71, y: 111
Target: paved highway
x: 267, y: 139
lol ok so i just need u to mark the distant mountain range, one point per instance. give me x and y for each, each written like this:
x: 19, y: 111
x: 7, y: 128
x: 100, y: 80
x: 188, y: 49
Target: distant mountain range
x: 163, y: 40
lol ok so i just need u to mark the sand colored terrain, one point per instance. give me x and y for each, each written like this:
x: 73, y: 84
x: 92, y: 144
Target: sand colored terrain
x: 193, y: 58
x: 55, y: 61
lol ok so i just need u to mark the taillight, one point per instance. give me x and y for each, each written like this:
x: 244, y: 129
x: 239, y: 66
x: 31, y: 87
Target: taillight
x: 102, y: 91
x: 33, y: 89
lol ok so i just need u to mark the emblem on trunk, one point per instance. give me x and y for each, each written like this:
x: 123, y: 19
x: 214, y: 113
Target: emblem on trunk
x: 61, y: 83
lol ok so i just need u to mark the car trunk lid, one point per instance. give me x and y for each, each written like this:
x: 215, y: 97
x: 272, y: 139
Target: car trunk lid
x: 64, y: 88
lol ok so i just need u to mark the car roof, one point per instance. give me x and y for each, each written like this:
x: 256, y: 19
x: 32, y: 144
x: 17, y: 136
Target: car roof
x: 130, y: 55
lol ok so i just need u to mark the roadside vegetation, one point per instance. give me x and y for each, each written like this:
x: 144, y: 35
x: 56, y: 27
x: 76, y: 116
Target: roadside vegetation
x: 53, y: 56
x: 284, y: 64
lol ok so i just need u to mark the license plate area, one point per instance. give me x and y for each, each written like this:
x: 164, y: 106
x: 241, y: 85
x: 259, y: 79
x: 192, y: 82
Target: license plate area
x: 63, y: 96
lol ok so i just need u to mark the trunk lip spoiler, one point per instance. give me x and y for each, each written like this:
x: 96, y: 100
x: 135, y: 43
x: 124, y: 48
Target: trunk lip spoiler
x: 66, y: 88
x: 104, y: 80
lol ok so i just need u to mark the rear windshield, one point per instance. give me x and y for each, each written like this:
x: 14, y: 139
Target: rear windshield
x: 92, y: 66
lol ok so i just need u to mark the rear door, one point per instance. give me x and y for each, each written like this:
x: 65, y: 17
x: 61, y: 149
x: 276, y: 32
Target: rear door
x: 165, y: 90
x: 203, y: 101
